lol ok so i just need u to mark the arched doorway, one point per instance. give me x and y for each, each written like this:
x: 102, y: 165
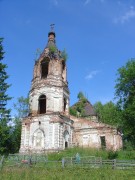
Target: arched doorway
x: 42, y: 104
x: 66, y: 139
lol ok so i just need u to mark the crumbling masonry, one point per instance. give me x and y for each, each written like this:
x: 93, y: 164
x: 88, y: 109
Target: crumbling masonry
x: 49, y: 127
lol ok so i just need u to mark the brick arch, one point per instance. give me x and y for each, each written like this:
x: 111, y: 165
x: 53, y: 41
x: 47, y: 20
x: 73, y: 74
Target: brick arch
x: 44, y: 68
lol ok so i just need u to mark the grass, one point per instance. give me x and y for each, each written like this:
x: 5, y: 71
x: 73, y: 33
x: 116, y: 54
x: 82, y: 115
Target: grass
x: 55, y: 171
x: 65, y: 174
x: 126, y: 155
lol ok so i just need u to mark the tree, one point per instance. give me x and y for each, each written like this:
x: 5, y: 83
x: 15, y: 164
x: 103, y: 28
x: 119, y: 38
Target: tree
x: 78, y: 108
x: 22, y: 108
x: 81, y: 96
x: 125, y: 93
x: 108, y: 113
x: 5, y: 132
x: 64, y: 55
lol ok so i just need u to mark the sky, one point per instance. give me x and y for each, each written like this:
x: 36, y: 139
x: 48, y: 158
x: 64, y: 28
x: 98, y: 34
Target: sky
x: 98, y: 35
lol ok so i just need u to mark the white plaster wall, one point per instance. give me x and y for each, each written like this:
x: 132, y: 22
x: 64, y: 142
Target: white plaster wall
x: 54, y: 99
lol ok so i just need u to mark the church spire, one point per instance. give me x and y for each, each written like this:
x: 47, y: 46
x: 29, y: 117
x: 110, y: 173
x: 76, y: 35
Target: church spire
x: 51, y: 38
x: 51, y: 44
x: 52, y: 30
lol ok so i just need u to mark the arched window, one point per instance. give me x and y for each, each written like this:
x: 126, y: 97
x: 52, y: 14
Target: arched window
x: 38, y: 138
x: 44, y: 68
x: 42, y: 104
x: 65, y: 104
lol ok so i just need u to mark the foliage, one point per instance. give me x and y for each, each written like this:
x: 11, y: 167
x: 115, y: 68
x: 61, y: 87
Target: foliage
x: 64, y: 55
x: 112, y: 155
x: 22, y: 108
x: 108, y: 113
x: 77, y: 172
x: 72, y: 111
x: 52, y: 49
x: 5, y: 135
x: 80, y: 95
x: 125, y: 93
x: 78, y: 108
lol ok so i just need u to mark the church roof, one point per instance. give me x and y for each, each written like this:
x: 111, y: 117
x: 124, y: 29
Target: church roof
x: 88, y: 108
x: 51, y: 49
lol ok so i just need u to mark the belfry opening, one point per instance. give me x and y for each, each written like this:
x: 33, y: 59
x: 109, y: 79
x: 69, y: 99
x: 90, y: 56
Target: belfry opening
x: 44, y: 68
x: 42, y: 104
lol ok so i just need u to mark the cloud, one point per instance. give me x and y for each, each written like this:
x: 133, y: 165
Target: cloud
x: 126, y: 17
x: 92, y: 74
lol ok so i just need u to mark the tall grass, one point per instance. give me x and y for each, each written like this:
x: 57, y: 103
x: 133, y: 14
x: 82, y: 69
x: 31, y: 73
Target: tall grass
x: 72, y: 173
x: 66, y: 174
x: 93, y: 152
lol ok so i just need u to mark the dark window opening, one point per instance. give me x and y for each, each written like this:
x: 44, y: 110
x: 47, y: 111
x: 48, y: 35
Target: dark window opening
x: 103, y: 142
x: 66, y: 144
x: 42, y: 104
x: 44, y: 69
x: 63, y: 65
x: 65, y: 103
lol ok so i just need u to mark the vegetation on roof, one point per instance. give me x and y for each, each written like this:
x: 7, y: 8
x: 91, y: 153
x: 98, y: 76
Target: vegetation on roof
x: 78, y: 109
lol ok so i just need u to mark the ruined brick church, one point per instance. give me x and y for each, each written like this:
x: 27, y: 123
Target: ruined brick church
x: 49, y: 126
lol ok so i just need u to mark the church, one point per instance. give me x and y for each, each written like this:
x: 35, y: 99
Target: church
x: 49, y: 126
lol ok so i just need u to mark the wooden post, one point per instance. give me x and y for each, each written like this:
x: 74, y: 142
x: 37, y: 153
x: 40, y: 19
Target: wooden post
x: 63, y: 162
x: 114, y: 164
x: 100, y: 162
x: 1, y: 162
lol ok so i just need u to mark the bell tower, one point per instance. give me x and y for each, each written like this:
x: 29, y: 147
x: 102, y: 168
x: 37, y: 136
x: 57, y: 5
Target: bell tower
x: 48, y: 126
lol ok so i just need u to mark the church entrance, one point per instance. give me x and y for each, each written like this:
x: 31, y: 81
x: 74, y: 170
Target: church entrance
x: 66, y: 139
x: 66, y: 144
x: 103, y: 142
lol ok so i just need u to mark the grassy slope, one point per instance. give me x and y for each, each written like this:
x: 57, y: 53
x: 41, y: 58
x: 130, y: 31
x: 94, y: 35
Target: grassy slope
x: 41, y: 173
x: 93, y: 152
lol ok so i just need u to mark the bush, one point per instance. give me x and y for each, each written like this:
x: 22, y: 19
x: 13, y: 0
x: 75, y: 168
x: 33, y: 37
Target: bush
x: 112, y: 154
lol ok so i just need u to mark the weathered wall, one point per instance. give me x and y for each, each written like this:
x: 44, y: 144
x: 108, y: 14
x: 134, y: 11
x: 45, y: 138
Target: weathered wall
x: 88, y: 134
x: 45, y: 132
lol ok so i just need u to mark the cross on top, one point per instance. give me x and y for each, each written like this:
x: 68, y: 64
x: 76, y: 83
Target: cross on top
x: 52, y: 27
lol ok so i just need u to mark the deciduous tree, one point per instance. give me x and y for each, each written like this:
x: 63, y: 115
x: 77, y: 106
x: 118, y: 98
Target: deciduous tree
x: 125, y: 93
x: 22, y: 109
x: 108, y: 113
